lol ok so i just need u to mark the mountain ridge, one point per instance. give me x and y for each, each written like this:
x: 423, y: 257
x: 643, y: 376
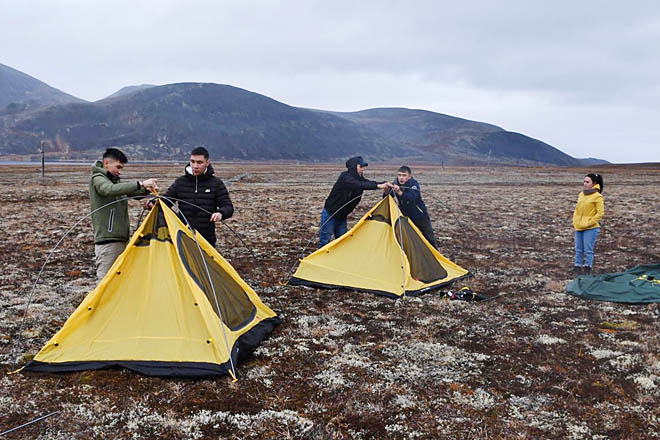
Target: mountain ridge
x: 166, y: 122
x: 21, y: 92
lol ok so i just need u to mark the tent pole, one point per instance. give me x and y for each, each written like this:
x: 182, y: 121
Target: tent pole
x: 28, y: 423
x: 221, y: 221
x: 403, y: 271
x: 215, y: 296
x: 217, y: 305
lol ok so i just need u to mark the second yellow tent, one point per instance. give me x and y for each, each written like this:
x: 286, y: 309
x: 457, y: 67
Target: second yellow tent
x: 383, y: 253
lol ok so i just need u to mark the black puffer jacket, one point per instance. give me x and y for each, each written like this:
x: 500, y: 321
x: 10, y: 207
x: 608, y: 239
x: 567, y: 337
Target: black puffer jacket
x: 350, y: 185
x: 207, y: 192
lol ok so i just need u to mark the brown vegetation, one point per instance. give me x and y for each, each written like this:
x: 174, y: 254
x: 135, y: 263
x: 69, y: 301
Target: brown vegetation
x: 534, y: 363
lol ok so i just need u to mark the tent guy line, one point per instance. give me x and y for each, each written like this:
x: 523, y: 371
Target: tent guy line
x: 36, y: 281
x: 208, y: 212
x: 174, y: 327
x: 27, y: 306
x: 290, y: 272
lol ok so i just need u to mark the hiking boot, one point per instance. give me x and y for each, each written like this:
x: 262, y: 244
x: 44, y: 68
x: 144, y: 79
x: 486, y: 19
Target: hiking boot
x: 577, y: 270
x: 586, y: 270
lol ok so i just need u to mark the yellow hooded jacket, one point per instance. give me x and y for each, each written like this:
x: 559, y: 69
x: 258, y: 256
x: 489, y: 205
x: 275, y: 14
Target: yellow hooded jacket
x: 588, y: 210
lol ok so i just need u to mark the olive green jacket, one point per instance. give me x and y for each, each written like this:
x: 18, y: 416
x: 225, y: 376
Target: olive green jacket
x: 111, y: 222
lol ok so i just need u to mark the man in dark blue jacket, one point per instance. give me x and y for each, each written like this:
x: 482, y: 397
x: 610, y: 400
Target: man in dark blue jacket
x: 409, y: 195
x: 344, y: 197
x: 207, y: 197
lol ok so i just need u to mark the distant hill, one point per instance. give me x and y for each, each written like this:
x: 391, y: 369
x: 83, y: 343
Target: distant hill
x: 129, y: 89
x: 589, y: 161
x: 166, y: 122
x: 20, y: 92
x: 443, y: 138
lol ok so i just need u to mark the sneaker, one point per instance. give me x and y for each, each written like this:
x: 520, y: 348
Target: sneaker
x: 586, y: 270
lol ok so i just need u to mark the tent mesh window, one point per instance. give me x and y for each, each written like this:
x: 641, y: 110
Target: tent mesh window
x: 155, y: 228
x: 236, y: 308
x: 382, y: 213
x: 423, y: 264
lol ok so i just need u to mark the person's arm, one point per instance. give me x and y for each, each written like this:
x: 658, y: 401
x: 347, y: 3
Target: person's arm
x: 105, y: 188
x: 576, y: 214
x: 224, y: 207
x: 600, y: 209
x: 351, y: 182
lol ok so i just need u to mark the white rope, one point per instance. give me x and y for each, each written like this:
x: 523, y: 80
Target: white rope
x: 20, y: 332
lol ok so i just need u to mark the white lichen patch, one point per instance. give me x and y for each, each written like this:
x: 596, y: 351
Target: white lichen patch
x: 647, y: 383
x: 625, y: 362
x: 479, y: 399
x: 603, y: 353
x: 297, y: 424
x: 578, y: 431
x: 530, y: 321
x: 261, y: 373
x: 549, y: 340
x: 429, y: 361
x: 405, y: 401
x: 331, y: 378
x: 633, y: 344
x: 316, y: 325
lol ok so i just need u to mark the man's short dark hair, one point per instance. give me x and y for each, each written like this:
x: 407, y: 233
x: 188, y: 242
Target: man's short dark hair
x: 114, y: 153
x: 405, y: 169
x: 200, y: 151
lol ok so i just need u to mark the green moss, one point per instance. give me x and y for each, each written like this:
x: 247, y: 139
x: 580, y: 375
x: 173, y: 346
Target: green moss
x: 620, y: 325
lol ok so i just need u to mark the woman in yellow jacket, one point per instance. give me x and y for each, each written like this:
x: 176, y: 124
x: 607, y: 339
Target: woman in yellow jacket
x: 588, y: 212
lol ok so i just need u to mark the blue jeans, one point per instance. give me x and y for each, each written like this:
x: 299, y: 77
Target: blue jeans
x: 584, y: 246
x: 329, y: 226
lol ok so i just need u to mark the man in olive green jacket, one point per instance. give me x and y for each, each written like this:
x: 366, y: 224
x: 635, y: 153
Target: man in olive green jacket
x: 110, y: 223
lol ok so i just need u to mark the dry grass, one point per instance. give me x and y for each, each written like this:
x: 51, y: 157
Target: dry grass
x: 535, y: 363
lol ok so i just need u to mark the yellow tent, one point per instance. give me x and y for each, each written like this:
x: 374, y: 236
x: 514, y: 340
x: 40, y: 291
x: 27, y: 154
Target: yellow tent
x: 369, y: 257
x: 156, y: 312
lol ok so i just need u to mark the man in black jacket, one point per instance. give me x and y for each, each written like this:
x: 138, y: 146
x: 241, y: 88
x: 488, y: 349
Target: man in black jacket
x: 207, y: 197
x: 344, y: 197
x: 408, y: 193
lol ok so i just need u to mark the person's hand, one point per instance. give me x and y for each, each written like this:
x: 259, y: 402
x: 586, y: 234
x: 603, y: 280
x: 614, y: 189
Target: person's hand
x: 148, y: 204
x: 216, y: 217
x: 150, y: 185
x: 386, y: 185
x: 397, y: 190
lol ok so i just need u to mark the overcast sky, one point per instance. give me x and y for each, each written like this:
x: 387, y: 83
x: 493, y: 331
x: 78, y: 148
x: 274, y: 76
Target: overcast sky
x: 583, y: 76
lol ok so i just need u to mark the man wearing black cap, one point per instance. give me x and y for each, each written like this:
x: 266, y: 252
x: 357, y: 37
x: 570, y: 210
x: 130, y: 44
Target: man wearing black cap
x: 344, y: 197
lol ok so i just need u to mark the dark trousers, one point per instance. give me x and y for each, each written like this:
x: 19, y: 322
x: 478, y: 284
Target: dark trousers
x: 424, y: 225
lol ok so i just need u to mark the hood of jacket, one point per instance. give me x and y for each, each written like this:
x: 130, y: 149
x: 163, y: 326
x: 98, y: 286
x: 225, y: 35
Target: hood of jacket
x: 97, y: 168
x: 351, y: 165
x: 207, y: 173
x: 594, y: 189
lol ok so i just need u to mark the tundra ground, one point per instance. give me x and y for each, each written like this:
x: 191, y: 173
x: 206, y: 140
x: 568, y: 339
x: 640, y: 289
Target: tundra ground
x: 533, y: 363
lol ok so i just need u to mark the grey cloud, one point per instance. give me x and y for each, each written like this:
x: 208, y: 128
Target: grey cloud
x: 348, y: 55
